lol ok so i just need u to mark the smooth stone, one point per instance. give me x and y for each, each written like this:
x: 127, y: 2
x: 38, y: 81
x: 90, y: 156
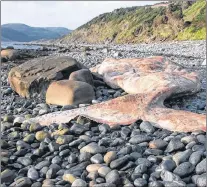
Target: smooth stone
x: 24, y: 161
x: 169, y: 176
x: 93, y: 148
x: 181, y: 157
x: 198, y: 148
x: 97, y: 159
x: 43, y: 171
x: 69, y: 177
x: 34, y: 127
x: 104, y: 185
x: 143, y: 161
x: 64, y: 153
x: 195, y: 157
x: 100, y: 180
x: 147, y: 127
x: 135, y: 155
x: 84, y: 156
x: 7, y: 176
x: 140, y: 182
x: 29, y: 138
x: 37, y: 184
x: 156, y: 184
x: 190, y: 145
x: 18, y: 121
x: 184, y: 169
x: 51, y: 173
x: 72, y: 158
x: 201, y: 180
x: 139, y: 139
x: 42, y: 164
x: 56, y: 160
x: 79, y: 183
x: 79, y: 167
x: 158, y: 144
x: 92, y: 175
x: 125, y: 132
x: 64, y: 139
x: 140, y: 169
x: 53, y: 146
x: 104, y: 128
x: 33, y: 174
x: 103, y: 171
x: 153, y: 152
x: 125, y: 150
x: 41, y: 135
x: 174, y: 145
x: 120, y: 162
x: 168, y: 165
x: 78, y: 129
x: 201, y: 138
x: 113, y: 177
x: 201, y: 167
x: 22, y: 182
x: 188, y: 139
x: 174, y: 183
x: 93, y: 167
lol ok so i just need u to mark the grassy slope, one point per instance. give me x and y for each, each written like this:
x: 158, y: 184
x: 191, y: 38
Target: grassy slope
x: 145, y: 24
x: 197, y: 15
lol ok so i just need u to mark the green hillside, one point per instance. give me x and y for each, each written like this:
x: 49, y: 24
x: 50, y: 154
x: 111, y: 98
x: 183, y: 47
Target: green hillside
x: 177, y: 21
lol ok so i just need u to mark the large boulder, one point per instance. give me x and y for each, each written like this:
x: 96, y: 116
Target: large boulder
x: 34, y: 76
x: 9, y: 54
x: 83, y: 75
x: 67, y: 92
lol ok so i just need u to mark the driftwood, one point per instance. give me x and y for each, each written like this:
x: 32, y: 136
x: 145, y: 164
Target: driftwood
x: 149, y: 81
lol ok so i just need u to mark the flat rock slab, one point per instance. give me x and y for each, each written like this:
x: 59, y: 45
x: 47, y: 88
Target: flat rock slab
x: 149, y: 81
x: 34, y: 76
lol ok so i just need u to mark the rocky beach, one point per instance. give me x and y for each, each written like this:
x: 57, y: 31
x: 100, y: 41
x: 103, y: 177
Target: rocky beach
x: 85, y: 153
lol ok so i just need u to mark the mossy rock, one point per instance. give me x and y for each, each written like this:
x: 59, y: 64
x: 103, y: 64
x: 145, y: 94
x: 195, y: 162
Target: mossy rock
x: 41, y: 135
x: 35, y: 127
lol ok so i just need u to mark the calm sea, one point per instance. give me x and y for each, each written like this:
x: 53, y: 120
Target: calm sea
x: 19, y: 45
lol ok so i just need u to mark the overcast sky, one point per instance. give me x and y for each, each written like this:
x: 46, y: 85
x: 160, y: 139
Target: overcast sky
x: 68, y: 14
